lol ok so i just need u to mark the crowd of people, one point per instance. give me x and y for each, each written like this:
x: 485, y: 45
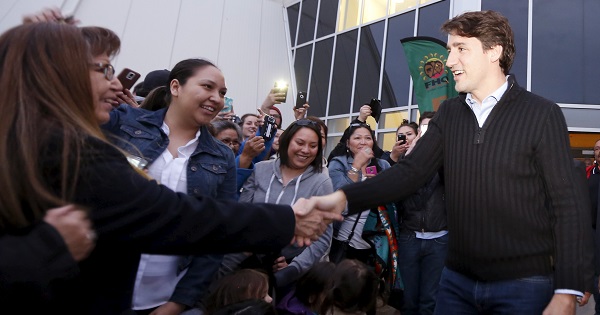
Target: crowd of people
x: 162, y: 200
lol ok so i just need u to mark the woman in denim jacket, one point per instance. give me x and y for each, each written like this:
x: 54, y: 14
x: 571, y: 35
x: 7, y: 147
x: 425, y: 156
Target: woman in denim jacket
x: 181, y: 154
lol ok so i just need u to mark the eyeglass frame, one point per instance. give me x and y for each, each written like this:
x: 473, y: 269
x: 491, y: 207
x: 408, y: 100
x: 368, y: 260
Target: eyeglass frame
x: 306, y: 122
x: 360, y: 124
x: 106, y: 68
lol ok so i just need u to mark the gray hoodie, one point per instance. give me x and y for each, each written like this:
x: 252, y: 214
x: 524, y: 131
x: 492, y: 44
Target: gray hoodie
x: 266, y: 185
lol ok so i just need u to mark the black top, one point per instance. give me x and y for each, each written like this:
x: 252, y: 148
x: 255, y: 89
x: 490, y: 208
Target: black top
x: 510, y: 194
x: 132, y: 215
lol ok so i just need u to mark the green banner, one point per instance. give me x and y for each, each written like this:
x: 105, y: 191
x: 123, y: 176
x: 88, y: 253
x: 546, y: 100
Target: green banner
x: 432, y: 80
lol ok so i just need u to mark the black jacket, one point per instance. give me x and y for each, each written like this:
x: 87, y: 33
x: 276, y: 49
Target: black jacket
x: 425, y: 210
x: 132, y: 215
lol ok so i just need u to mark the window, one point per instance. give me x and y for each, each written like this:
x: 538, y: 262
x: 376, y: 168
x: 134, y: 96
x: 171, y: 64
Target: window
x: 327, y: 16
x: 292, y: 12
x: 338, y: 125
x: 431, y: 18
x: 369, y: 63
x: 374, y: 9
x: 302, y: 67
x: 349, y: 14
x: 396, y: 76
x: 343, y: 72
x: 564, y: 61
x: 307, y: 21
x: 401, y: 5
x: 319, y: 82
x: 516, y: 13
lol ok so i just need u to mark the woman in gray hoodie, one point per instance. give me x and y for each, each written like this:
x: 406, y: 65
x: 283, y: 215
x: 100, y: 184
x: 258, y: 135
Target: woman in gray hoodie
x: 296, y: 173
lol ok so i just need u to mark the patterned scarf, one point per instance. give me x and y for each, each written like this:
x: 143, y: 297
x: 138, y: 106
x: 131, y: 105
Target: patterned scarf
x: 380, y: 231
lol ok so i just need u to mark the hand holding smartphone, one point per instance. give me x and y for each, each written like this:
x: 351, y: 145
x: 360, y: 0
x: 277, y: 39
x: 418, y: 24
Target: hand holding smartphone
x: 401, y: 138
x: 281, y: 87
x: 372, y: 170
x: 128, y: 77
x: 300, y: 99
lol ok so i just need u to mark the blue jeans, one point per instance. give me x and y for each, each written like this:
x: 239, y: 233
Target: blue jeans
x: 462, y: 295
x: 421, y: 263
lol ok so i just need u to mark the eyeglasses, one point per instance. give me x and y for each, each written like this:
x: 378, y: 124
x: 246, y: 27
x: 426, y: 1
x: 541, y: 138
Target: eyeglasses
x: 355, y: 125
x: 106, y: 68
x: 306, y: 122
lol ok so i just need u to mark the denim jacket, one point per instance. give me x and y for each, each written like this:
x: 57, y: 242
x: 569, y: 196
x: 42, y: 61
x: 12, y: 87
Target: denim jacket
x: 210, y: 171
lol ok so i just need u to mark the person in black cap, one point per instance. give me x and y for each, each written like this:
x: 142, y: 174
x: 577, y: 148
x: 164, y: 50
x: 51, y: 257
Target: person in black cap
x: 153, y: 80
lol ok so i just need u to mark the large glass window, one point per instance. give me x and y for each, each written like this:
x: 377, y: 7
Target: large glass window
x: 307, y: 21
x: 302, y: 67
x: 564, y: 65
x: 401, y: 5
x: 292, y: 12
x: 349, y: 14
x: 396, y: 76
x: 369, y: 63
x: 343, y: 72
x: 327, y: 16
x: 338, y: 125
x: 431, y: 18
x: 319, y: 82
x: 374, y: 9
x: 516, y: 12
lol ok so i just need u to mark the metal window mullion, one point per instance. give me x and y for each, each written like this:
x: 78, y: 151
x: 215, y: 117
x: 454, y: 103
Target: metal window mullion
x: 382, y: 65
x: 355, y: 73
x: 529, y: 42
x: 312, y: 55
x: 331, y: 67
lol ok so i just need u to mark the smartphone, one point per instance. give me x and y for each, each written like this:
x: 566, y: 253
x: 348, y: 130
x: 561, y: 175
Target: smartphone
x: 371, y: 170
x: 269, y: 128
x: 281, y: 87
x: 228, y: 108
x: 375, y: 105
x: 128, y: 77
x: 402, y: 138
x: 300, y: 99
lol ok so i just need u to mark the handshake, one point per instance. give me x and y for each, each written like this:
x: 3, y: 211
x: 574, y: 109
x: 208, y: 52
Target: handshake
x: 314, y: 214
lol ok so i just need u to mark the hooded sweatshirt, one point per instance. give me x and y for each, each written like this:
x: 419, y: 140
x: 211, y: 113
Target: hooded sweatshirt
x: 265, y: 185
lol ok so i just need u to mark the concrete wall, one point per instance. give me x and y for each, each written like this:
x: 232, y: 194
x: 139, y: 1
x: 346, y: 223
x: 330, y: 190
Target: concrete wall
x: 245, y: 38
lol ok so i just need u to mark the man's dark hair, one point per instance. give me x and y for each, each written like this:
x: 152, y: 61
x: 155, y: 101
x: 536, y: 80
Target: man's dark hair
x: 426, y: 115
x: 490, y: 27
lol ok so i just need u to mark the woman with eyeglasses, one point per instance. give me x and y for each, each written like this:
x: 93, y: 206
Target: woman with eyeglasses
x: 296, y: 173
x: 230, y: 134
x: 54, y: 153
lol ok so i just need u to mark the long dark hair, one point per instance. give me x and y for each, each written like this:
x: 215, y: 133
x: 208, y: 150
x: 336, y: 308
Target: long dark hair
x: 46, y: 101
x: 341, y: 149
x: 353, y: 288
x: 312, y: 284
x: 241, y: 285
x: 161, y: 96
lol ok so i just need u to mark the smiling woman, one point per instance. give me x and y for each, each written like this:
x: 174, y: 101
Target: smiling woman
x: 184, y: 156
x: 297, y: 173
